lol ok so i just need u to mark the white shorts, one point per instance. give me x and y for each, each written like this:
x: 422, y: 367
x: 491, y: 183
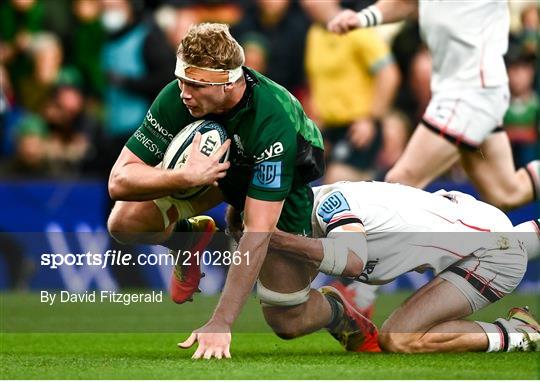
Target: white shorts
x: 487, y: 276
x: 467, y: 117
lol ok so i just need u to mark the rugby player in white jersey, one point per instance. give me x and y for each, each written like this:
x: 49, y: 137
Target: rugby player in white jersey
x: 375, y: 232
x: 469, y: 84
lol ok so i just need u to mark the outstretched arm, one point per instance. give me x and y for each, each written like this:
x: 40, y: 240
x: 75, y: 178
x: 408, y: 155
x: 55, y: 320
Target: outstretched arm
x: 382, y: 12
x: 214, y: 338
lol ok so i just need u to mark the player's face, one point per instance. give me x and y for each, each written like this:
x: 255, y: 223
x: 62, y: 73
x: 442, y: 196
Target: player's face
x: 202, y: 99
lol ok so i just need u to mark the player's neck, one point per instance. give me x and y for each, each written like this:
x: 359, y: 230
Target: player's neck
x: 236, y: 95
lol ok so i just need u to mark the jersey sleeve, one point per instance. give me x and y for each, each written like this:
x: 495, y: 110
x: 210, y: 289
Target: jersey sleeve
x: 333, y: 210
x: 372, y: 50
x: 162, y: 122
x: 273, y: 173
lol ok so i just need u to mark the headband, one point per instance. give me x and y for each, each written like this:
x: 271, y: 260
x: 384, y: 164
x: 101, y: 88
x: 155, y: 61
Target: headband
x: 206, y: 76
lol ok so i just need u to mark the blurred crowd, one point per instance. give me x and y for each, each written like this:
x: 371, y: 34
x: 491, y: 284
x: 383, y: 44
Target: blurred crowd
x: 77, y: 77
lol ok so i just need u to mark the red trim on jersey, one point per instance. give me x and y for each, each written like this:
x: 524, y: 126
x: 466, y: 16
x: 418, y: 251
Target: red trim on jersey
x: 344, y: 216
x: 442, y: 130
x: 462, y: 222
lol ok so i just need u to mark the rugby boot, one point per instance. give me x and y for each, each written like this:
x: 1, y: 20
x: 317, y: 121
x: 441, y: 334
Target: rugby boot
x: 187, y: 272
x: 355, y: 332
x: 350, y: 294
x: 521, y: 322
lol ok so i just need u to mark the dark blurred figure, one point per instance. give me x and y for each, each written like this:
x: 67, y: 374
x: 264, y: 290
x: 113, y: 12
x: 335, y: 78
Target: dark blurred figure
x: 280, y: 26
x: 19, y: 19
x: 30, y: 157
x: 522, y: 119
x: 86, y: 44
x: 47, y: 57
x: 75, y: 137
x: 138, y: 63
x: 19, y: 268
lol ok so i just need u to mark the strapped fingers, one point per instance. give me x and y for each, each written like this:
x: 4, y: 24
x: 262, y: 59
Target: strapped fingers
x: 227, y: 352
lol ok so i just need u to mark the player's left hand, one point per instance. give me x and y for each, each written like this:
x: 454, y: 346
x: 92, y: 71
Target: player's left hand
x: 214, y: 341
x: 362, y: 132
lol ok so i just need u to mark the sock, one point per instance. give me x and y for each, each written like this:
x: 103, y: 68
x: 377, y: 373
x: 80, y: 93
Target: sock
x: 496, y: 336
x: 528, y: 234
x: 337, y: 312
x: 514, y: 340
x: 180, y: 236
x: 183, y: 225
x: 533, y: 169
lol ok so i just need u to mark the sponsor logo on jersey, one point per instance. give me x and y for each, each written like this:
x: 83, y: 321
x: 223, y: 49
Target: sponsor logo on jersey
x: 274, y: 150
x: 148, y: 144
x: 239, y: 145
x: 368, y: 270
x: 157, y: 126
x: 332, y: 204
x: 267, y: 175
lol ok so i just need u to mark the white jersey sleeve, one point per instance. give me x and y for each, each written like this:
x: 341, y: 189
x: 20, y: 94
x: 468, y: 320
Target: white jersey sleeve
x: 332, y: 209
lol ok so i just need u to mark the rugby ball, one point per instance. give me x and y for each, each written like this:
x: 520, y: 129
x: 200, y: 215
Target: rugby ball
x: 213, y: 135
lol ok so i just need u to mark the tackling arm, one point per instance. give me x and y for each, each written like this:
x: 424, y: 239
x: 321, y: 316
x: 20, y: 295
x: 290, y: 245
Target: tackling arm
x: 342, y: 253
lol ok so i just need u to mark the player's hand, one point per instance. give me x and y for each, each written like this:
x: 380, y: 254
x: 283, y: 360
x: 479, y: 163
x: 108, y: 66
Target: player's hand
x: 361, y: 133
x: 344, y: 22
x: 202, y: 170
x: 214, y: 341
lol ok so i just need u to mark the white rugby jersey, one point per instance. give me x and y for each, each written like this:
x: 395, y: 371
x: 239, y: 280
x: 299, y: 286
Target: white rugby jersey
x: 467, y: 40
x: 407, y: 228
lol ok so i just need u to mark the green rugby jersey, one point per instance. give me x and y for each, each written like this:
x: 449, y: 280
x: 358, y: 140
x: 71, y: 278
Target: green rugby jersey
x: 276, y: 149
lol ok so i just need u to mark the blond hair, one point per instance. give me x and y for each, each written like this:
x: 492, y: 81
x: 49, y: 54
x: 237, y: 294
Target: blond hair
x: 210, y: 45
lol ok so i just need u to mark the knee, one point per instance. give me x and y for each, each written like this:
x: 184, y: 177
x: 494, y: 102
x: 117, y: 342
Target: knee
x: 400, y: 175
x: 398, y: 342
x: 392, y: 339
x: 285, y: 321
x: 500, y: 199
x: 120, y: 224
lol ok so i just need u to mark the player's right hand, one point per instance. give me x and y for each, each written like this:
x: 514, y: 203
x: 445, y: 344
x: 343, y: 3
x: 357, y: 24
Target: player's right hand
x: 344, y: 22
x: 202, y: 170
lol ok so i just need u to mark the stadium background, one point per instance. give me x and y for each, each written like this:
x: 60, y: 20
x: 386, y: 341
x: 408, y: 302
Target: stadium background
x: 58, y: 142
x: 58, y: 138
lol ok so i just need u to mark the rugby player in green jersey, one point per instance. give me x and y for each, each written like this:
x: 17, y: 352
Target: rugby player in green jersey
x: 275, y: 152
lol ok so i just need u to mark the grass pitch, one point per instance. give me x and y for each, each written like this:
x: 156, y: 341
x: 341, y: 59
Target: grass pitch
x: 257, y: 354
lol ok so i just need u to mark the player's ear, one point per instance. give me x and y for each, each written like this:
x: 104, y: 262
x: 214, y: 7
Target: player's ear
x: 228, y: 87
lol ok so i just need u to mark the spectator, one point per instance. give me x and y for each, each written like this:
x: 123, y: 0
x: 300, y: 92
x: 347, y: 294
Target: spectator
x: 86, y: 45
x: 19, y: 20
x: 523, y: 115
x: 353, y: 80
x: 30, y: 157
x: 47, y: 56
x: 74, y: 135
x: 137, y: 64
x: 282, y: 26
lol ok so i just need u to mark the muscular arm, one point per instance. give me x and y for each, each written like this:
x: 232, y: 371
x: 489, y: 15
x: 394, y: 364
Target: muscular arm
x: 396, y: 10
x: 312, y: 250
x: 133, y: 180
x: 260, y: 220
x: 321, y: 11
x: 391, y: 11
